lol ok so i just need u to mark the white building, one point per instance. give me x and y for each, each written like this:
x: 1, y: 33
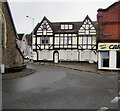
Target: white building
x: 65, y: 41
x: 25, y: 48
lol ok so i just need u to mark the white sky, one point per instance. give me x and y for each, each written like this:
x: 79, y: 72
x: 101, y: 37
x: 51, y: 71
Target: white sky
x: 54, y: 10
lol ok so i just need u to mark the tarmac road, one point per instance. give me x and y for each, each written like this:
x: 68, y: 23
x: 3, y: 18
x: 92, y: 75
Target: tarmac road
x: 52, y: 87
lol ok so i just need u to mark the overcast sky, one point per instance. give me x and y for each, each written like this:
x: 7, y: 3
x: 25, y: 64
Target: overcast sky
x: 54, y: 10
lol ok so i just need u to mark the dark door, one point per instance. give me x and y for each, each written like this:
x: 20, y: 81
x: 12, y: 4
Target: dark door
x: 118, y: 59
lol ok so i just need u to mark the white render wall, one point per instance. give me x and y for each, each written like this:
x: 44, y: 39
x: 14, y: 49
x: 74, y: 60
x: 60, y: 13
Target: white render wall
x: 112, y: 59
x: 67, y: 55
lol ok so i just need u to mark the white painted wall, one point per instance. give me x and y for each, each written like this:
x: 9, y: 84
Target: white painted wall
x: 112, y: 59
x: 66, y: 55
x: 34, y: 56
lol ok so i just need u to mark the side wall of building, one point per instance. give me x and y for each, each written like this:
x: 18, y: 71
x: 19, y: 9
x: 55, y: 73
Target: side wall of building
x: 109, y: 37
x: 11, y: 57
x: 109, y: 23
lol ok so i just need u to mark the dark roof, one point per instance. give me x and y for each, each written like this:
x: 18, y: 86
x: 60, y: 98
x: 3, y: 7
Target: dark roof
x: 20, y: 36
x: 115, y: 3
x: 56, y: 26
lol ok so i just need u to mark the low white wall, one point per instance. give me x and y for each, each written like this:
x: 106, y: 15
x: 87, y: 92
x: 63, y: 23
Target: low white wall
x: 67, y: 55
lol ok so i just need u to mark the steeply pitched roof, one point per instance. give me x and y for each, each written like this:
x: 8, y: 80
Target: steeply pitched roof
x: 56, y: 26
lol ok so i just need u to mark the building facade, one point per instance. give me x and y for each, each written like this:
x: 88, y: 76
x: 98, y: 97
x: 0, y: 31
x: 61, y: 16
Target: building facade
x: 109, y: 37
x: 10, y: 56
x: 24, y: 46
x: 65, y: 41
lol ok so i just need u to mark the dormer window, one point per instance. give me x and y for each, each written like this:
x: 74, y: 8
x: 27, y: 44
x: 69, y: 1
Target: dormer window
x: 66, y: 26
x: 70, y: 26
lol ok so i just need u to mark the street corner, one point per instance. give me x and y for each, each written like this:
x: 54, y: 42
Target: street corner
x: 14, y: 75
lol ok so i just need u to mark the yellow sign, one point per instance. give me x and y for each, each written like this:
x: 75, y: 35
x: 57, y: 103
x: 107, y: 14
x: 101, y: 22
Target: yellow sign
x: 109, y: 46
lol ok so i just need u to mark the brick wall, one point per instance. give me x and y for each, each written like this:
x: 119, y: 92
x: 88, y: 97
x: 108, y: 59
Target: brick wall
x: 109, y: 23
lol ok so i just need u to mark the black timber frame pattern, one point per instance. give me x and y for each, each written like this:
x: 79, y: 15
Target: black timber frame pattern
x: 56, y: 34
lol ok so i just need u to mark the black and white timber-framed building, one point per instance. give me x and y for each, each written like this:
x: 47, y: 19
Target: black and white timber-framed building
x: 65, y: 41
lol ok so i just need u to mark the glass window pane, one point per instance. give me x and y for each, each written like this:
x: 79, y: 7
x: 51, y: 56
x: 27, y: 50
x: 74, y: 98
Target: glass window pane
x: 66, y: 26
x: 105, y: 59
x: 62, y: 26
x: 84, y: 40
x: 42, y: 41
x: 69, y: 40
x: 61, y: 40
x: 70, y: 26
x: 65, y: 40
x: 89, y: 40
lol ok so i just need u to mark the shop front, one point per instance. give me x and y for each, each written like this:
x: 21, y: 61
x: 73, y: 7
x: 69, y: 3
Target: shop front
x: 109, y: 56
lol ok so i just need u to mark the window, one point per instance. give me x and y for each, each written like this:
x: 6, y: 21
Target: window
x: 65, y: 40
x: 44, y: 40
x: 105, y: 59
x: 62, y: 26
x: 66, y: 26
x: 69, y: 40
x: 70, y: 26
x: 87, y: 40
x: 61, y: 40
x: 84, y: 40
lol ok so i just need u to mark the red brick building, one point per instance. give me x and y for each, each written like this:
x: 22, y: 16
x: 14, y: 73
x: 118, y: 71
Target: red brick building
x: 109, y: 37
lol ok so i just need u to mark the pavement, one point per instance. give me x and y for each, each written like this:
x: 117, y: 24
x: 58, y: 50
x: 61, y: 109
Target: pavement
x: 14, y: 75
x: 85, y: 67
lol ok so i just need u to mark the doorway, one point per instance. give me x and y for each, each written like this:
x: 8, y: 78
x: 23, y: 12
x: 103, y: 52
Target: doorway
x: 56, y: 57
x: 118, y: 59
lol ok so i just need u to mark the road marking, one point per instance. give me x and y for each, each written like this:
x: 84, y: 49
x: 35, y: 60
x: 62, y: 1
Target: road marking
x: 102, y: 109
x: 115, y: 100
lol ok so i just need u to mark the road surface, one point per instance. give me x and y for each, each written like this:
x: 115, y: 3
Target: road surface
x: 53, y: 87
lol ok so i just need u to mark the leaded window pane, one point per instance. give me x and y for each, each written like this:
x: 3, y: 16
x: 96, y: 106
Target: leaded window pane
x: 84, y: 40
x: 89, y: 40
